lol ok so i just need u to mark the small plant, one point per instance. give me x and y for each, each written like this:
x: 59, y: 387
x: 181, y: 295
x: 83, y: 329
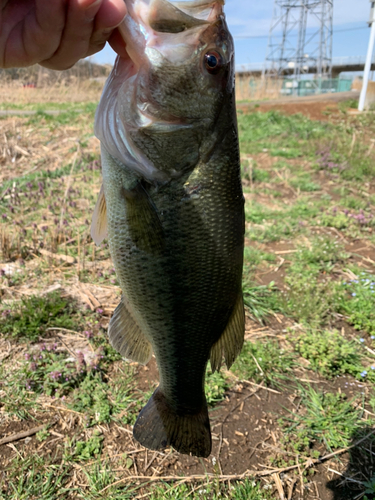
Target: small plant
x: 359, y: 302
x: 216, y: 386
x: 309, y: 299
x: 86, y: 450
x: 370, y: 486
x: 42, y: 435
x: 321, y: 255
x: 100, y: 476
x: 325, y: 417
x: 329, y: 353
x: 328, y: 159
x: 241, y: 490
x: 263, y: 361
x: 91, y: 398
x: 260, y: 300
x: 32, y: 316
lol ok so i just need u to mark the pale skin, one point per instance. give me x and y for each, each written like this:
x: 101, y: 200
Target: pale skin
x: 57, y: 33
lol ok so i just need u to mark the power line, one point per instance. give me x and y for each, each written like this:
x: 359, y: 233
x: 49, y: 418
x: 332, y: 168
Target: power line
x: 296, y: 34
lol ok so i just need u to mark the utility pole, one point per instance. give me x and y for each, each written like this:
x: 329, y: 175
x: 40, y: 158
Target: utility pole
x: 300, y: 39
x: 370, y: 50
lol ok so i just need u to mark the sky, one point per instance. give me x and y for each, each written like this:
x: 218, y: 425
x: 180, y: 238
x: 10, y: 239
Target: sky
x: 252, y: 18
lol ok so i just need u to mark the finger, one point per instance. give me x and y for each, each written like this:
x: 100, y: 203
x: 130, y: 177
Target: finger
x: 75, y: 40
x: 110, y: 15
x: 117, y: 43
x: 30, y: 33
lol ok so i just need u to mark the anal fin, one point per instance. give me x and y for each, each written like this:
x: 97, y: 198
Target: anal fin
x: 126, y: 336
x: 231, y: 341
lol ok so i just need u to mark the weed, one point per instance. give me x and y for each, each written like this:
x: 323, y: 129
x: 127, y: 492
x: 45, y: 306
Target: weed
x: 305, y: 183
x: 260, y: 300
x: 100, y: 477
x: 42, y: 435
x: 33, y: 315
x: 284, y: 134
x: 31, y: 477
x: 325, y: 417
x: 329, y: 353
x: 359, y: 302
x: 244, y: 490
x: 216, y: 386
x: 263, y: 361
x: 370, y: 486
x: 321, y: 255
x: 311, y: 300
x: 349, y: 103
x: 92, y: 399
x: 86, y: 450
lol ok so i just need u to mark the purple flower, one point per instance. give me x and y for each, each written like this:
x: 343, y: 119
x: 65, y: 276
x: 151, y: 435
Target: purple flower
x: 364, y: 373
x: 362, y: 340
x: 99, y: 311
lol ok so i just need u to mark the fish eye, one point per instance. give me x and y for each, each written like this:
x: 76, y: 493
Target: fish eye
x: 213, y: 62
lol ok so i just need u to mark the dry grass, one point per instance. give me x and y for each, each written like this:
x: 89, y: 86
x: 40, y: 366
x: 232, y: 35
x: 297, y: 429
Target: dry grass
x: 27, y: 147
x: 61, y: 91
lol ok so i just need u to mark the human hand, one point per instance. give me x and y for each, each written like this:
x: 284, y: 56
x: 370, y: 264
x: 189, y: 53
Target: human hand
x: 57, y: 33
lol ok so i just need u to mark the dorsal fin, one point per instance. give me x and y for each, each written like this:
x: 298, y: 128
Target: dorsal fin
x: 99, y: 227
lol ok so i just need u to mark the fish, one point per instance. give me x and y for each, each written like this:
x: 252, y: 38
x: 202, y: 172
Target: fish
x: 172, y: 208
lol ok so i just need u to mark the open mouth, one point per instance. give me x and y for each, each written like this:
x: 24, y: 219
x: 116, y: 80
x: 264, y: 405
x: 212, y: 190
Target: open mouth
x: 161, y: 23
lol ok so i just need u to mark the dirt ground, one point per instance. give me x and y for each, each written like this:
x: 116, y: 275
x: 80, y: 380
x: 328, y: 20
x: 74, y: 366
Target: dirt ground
x: 314, y: 107
x: 244, y: 426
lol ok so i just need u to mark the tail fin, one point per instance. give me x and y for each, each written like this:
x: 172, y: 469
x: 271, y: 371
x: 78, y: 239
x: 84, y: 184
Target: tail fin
x: 158, y: 426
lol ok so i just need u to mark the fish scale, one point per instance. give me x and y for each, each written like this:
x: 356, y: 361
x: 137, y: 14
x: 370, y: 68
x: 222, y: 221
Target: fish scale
x: 174, y: 213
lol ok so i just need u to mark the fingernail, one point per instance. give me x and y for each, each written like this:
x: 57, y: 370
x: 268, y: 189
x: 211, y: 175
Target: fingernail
x: 90, y: 4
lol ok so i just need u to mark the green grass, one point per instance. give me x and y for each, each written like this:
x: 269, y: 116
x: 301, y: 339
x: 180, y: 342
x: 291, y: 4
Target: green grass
x: 328, y: 418
x: 260, y: 301
x: 31, y: 318
x: 311, y: 198
x: 330, y: 353
x: 245, y: 490
x: 359, y: 302
x: 263, y: 361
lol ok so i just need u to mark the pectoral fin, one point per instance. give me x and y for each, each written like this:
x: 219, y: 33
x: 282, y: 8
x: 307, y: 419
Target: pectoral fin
x: 127, y: 337
x: 231, y: 341
x: 143, y: 222
x: 99, y: 227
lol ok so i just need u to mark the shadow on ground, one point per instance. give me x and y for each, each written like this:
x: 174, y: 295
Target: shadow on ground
x: 359, y: 474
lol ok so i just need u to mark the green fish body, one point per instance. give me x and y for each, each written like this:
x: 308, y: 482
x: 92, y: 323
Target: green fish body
x: 173, y: 209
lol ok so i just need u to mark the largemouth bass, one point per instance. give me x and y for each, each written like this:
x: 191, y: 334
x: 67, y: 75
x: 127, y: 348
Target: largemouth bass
x: 172, y: 206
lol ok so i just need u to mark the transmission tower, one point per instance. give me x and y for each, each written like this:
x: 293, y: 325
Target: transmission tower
x: 300, y: 39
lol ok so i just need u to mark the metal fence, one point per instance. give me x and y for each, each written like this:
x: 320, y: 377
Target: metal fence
x: 316, y: 86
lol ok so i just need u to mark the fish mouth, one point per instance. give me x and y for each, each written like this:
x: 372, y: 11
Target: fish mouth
x: 170, y: 27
